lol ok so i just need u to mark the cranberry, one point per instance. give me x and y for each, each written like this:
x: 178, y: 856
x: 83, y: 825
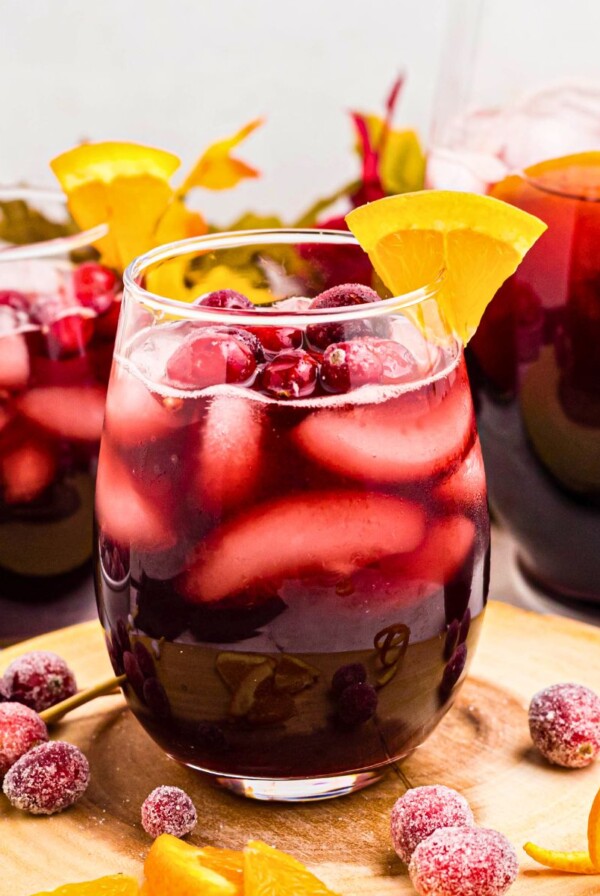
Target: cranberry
x: 68, y: 336
x: 278, y: 339
x: 210, y: 359
x: 168, y: 810
x: 225, y: 298
x: 47, y: 779
x: 95, y: 286
x: 347, y: 365
x: 458, y: 860
x: 39, y: 679
x: 144, y: 659
x: 357, y: 704
x: 398, y: 363
x: 135, y: 677
x: 291, y: 374
x: 21, y: 729
x: 10, y: 298
x: 564, y: 722
x: 346, y: 295
x: 453, y: 670
x: 351, y: 673
x: 156, y: 698
x: 423, y: 810
x: 246, y: 336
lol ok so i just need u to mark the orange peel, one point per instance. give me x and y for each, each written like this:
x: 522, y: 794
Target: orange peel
x: 576, y: 862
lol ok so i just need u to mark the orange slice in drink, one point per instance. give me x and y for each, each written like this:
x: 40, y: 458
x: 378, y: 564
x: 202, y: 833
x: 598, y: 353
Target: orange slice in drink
x: 269, y: 872
x: 475, y: 240
x: 113, y: 885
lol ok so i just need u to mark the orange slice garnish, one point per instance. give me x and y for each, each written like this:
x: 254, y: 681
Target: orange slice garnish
x: 477, y: 241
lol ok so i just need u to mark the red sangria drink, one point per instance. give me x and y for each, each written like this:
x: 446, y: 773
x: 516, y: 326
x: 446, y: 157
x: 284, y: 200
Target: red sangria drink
x: 58, y: 316
x: 292, y: 533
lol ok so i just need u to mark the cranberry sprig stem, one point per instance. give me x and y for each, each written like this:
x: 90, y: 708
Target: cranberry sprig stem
x: 102, y: 689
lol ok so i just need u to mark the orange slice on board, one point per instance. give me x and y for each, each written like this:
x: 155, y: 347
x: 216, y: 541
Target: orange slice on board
x: 113, y: 885
x: 477, y: 241
x: 269, y: 872
x: 175, y: 868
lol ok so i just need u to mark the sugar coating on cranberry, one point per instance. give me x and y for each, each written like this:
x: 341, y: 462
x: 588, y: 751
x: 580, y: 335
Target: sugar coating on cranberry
x: 39, y: 679
x: 209, y: 360
x: 21, y: 729
x: 463, y: 861
x: 168, y: 810
x: 348, y: 365
x: 343, y: 295
x: 225, y: 298
x: 47, y: 779
x: 246, y: 336
x: 423, y: 810
x: 290, y: 374
x: 356, y: 704
x: 346, y: 295
x: 564, y: 722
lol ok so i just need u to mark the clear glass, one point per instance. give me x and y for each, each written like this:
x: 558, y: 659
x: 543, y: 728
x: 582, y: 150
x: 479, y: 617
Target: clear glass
x: 508, y: 106
x: 292, y: 550
x: 56, y: 343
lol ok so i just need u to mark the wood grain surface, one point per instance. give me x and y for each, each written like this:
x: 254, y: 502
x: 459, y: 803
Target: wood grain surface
x: 482, y: 748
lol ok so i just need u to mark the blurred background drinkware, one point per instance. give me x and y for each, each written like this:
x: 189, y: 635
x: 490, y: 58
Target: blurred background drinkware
x: 517, y: 116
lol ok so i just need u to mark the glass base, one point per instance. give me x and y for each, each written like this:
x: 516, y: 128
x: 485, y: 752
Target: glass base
x: 299, y: 790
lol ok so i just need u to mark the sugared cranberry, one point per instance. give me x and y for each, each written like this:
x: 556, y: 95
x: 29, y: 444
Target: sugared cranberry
x: 47, y: 779
x: 356, y: 704
x: 168, y: 810
x: 95, y: 286
x: 225, y: 298
x: 10, y: 298
x: 564, y: 721
x: 278, y: 339
x: 291, y: 374
x: 21, y: 729
x: 39, y: 679
x: 351, y: 673
x: 346, y: 295
x: 460, y: 860
x: 397, y: 362
x: 423, y: 810
x: 208, y: 360
x: 348, y: 365
x: 246, y: 336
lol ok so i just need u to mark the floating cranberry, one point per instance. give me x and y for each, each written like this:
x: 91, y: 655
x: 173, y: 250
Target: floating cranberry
x: 21, y: 729
x: 398, y: 363
x: 346, y: 295
x: 144, y: 659
x: 95, y: 286
x: 453, y: 670
x: 168, y: 810
x: 291, y: 374
x: 423, y: 810
x: 39, y: 679
x: 246, y: 336
x: 564, y: 722
x: 351, y: 673
x: 156, y: 698
x: 47, y: 779
x: 348, y: 365
x: 68, y: 336
x: 225, y: 298
x: 356, y: 704
x: 10, y: 298
x: 458, y: 860
x: 278, y: 339
x: 210, y: 359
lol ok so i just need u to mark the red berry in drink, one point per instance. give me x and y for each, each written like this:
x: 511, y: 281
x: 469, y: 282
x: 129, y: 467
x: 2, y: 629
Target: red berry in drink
x: 47, y: 779
x: 39, y: 679
x: 10, y: 298
x: 351, y: 673
x: 291, y: 374
x: 348, y: 365
x: 356, y: 704
x: 246, y: 336
x: 564, y: 722
x: 225, y: 298
x: 68, y: 336
x: 278, y: 339
x: 423, y: 810
x: 208, y: 360
x: 168, y: 810
x: 95, y: 286
x: 458, y: 860
x: 21, y: 729
x: 348, y: 294
x: 397, y: 362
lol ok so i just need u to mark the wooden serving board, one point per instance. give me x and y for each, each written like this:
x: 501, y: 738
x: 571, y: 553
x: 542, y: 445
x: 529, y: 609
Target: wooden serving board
x: 482, y: 748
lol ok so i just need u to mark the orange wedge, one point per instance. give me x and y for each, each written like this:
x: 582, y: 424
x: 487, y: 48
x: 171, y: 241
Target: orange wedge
x: 475, y: 240
x: 269, y: 872
x: 113, y: 885
x: 175, y: 868
x: 123, y: 185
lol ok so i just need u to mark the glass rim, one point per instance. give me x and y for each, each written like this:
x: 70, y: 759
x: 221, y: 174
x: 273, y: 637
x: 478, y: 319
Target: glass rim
x: 268, y: 317
x: 45, y: 248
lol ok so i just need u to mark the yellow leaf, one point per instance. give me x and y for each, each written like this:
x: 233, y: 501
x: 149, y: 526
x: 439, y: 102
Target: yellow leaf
x: 177, y: 223
x: 402, y: 163
x: 217, y: 169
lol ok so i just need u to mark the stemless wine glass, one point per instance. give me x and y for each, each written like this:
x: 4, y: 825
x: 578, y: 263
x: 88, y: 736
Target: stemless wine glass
x: 58, y: 315
x: 292, y: 531
x: 527, y: 130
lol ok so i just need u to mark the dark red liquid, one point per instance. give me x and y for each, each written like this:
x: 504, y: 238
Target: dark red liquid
x: 536, y: 370
x: 249, y: 548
